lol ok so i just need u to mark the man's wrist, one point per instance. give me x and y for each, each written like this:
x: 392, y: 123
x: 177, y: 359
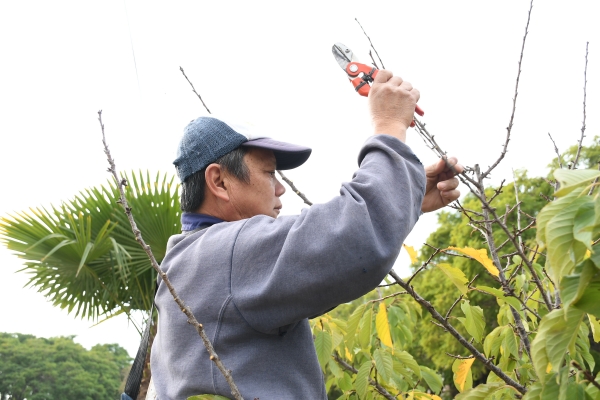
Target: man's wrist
x: 396, y: 129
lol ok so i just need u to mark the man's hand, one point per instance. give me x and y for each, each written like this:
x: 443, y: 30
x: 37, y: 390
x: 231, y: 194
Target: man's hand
x: 441, y: 185
x: 392, y: 102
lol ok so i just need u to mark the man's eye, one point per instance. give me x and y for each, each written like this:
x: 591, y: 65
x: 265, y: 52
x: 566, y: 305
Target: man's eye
x: 272, y: 173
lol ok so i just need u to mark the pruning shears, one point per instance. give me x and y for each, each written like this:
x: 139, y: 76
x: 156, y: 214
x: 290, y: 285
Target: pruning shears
x: 359, y: 74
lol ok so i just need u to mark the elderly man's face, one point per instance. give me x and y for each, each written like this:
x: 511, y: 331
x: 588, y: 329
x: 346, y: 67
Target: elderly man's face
x: 261, y: 195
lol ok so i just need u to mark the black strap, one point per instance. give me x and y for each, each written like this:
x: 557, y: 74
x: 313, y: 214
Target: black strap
x: 134, y: 380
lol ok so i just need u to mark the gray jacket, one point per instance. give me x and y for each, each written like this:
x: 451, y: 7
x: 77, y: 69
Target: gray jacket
x: 253, y: 283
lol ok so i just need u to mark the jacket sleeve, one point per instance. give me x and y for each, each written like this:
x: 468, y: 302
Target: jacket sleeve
x: 291, y: 268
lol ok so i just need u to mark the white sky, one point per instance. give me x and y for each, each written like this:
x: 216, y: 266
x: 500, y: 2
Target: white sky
x: 269, y: 62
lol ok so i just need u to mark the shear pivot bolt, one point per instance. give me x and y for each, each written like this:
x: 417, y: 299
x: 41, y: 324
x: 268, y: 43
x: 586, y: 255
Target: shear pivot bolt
x: 354, y: 68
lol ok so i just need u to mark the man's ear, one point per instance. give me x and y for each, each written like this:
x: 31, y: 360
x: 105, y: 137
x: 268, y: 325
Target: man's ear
x: 215, y: 182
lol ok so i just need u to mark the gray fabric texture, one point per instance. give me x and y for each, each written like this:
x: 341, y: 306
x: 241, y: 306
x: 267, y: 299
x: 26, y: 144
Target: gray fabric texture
x: 253, y: 283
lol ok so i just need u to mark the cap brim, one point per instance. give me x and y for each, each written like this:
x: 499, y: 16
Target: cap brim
x: 288, y: 155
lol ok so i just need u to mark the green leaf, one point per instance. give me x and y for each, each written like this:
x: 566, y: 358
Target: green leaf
x: 534, y: 392
x: 361, y: 382
x: 353, y: 324
x: 433, y: 380
x: 556, y: 336
x: 590, y: 299
x: 509, y: 342
x: 364, y: 335
x: 483, y: 391
x: 550, y: 211
x: 492, y: 342
x: 575, y: 391
x: 384, y: 364
x: 323, y: 347
x: 502, y: 297
x: 345, y: 383
x: 408, y: 361
x: 572, y: 287
x: 474, y: 322
x: 456, y: 276
x: 585, y: 220
x: 571, y: 179
x: 551, y: 388
x: 563, y: 251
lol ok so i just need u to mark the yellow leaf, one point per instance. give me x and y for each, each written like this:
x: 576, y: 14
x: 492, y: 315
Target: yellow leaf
x: 411, y: 252
x: 383, y: 327
x: 478, y: 255
x: 549, y: 368
x: 461, y: 373
x: 348, y: 354
x: 595, y: 324
x: 422, y: 396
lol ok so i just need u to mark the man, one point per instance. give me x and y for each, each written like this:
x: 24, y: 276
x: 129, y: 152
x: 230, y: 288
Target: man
x: 253, y: 279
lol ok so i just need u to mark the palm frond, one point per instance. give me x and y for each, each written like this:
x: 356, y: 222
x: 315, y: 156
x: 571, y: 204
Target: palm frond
x: 82, y: 254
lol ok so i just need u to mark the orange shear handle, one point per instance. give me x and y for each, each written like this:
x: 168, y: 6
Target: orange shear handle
x: 361, y: 84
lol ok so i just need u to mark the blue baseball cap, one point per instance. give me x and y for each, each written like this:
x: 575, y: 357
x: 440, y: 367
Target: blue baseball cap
x: 206, y: 139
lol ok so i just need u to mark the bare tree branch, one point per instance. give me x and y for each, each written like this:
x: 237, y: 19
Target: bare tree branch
x: 441, y: 321
x: 294, y: 189
x: 194, y: 89
x: 494, y: 253
x: 373, y: 47
x: 121, y: 183
x: 584, y: 98
x: 512, y: 116
x: 556, y: 151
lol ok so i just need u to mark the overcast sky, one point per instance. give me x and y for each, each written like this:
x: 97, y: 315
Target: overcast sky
x: 270, y: 63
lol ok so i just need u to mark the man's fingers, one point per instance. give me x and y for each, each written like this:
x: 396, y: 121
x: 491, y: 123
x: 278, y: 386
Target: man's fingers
x: 450, y: 195
x: 383, y: 76
x: 448, y: 185
x: 450, y: 165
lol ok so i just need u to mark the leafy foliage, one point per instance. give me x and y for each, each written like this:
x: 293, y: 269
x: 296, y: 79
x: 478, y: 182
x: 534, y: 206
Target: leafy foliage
x: 562, y: 266
x: 57, y: 368
x: 83, y: 255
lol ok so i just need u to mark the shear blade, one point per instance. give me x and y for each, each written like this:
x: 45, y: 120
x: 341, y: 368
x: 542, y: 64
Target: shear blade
x: 342, y: 54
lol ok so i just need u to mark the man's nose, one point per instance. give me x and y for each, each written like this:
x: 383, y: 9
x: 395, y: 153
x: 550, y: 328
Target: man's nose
x: 279, y: 188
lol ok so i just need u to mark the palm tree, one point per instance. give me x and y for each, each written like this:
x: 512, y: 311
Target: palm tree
x: 82, y: 255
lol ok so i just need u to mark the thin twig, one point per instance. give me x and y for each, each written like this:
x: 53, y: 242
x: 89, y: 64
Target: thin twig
x: 518, y: 207
x: 423, y: 266
x: 194, y: 89
x: 373, y: 47
x: 584, y: 98
x: 512, y: 116
x: 294, y: 189
x: 372, y: 59
x: 121, y: 183
x: 459, y: 357
x: 289, y: 182
x: 556, y: 151
x: 588, y: 375
x: 387, y: 297
x: 452, y: 306
x: 350, y: 368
